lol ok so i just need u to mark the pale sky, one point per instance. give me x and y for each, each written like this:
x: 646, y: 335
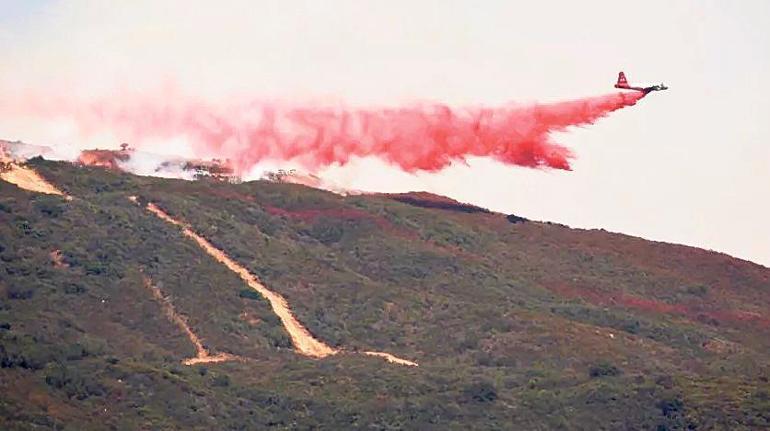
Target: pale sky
x: 690, y: 165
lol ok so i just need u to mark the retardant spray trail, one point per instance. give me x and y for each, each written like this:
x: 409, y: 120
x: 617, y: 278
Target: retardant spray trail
x: 426, y: 137
x: 301, y: 338
x: 203, y: 356
x: 414, y: 137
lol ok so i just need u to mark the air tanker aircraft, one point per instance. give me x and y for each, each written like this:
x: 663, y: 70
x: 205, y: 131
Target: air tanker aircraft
x: 623, y: 85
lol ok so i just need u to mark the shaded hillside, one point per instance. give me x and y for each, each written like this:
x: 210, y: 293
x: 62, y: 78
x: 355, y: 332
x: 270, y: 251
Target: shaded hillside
x: 429, y: 200
x: 515, y: 325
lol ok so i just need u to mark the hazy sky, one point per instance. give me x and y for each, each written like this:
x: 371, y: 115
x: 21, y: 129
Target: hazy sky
x: 690, y: 165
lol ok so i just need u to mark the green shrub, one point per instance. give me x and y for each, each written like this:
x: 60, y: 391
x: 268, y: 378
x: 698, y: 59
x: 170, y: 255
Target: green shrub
x: 248, y: 293
x: 221, y: 380
x: 699, y: 290
x: 327, y: 231
x: 49, y: 206
x: 72, y: 382
x: 19, y: 292
x: 603, y: 369
x: 480, y: 392
x: 671, y: 406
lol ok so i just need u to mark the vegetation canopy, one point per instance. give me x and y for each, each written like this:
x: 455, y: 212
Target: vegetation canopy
x: 515, y: 324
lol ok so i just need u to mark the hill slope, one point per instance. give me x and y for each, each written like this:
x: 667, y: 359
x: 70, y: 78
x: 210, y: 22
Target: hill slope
x: 522, y: 325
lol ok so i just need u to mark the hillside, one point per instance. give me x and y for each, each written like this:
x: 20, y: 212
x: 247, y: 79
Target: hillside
x: 515, y: 324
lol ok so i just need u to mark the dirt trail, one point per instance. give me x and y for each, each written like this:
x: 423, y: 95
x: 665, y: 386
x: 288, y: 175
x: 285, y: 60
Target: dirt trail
x: 57, y: 259
x: 392, y: 359
x: 301, y: 338
x: 26, y: 178
x: 203, y: 356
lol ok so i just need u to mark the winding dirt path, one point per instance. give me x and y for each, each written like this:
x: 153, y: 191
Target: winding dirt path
x: 203, y: 356
x: 303, y: 341
x: 301, y: 338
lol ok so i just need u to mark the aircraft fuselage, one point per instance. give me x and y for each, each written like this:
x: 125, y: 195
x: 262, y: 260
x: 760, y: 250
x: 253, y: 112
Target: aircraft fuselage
x: 623, y: 85
x: 644, y: 90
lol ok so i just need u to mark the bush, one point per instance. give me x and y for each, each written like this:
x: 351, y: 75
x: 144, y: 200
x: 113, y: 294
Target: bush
x: 513, y: 218
x: 74, y: 384
x: 95, y: 268
x: 74, y: 352
x: 480, y: 392
x: 49, y: 206
x: 221, y: 380
x: 327, y: 231
x: 603, y: 369
x: 19, y: 292
x: 671, y: 406
x: 632, y: 327
x: 74, y: 289
x: 250, y: 294
x: 24, y: 353
x: 698, y: 290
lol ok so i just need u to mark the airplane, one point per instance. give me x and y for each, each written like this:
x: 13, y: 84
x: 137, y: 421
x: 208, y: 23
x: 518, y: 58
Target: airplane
x: 623, y: 85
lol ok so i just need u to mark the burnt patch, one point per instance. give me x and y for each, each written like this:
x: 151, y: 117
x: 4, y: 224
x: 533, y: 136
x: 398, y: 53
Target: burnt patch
x: 429, y: 200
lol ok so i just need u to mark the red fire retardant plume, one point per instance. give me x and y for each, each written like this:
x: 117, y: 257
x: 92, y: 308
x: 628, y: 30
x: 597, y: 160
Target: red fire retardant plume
x: 420, y: 137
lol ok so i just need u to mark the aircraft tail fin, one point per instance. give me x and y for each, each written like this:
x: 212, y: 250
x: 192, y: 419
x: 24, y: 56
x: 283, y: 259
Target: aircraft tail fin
x: 622, y: 81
